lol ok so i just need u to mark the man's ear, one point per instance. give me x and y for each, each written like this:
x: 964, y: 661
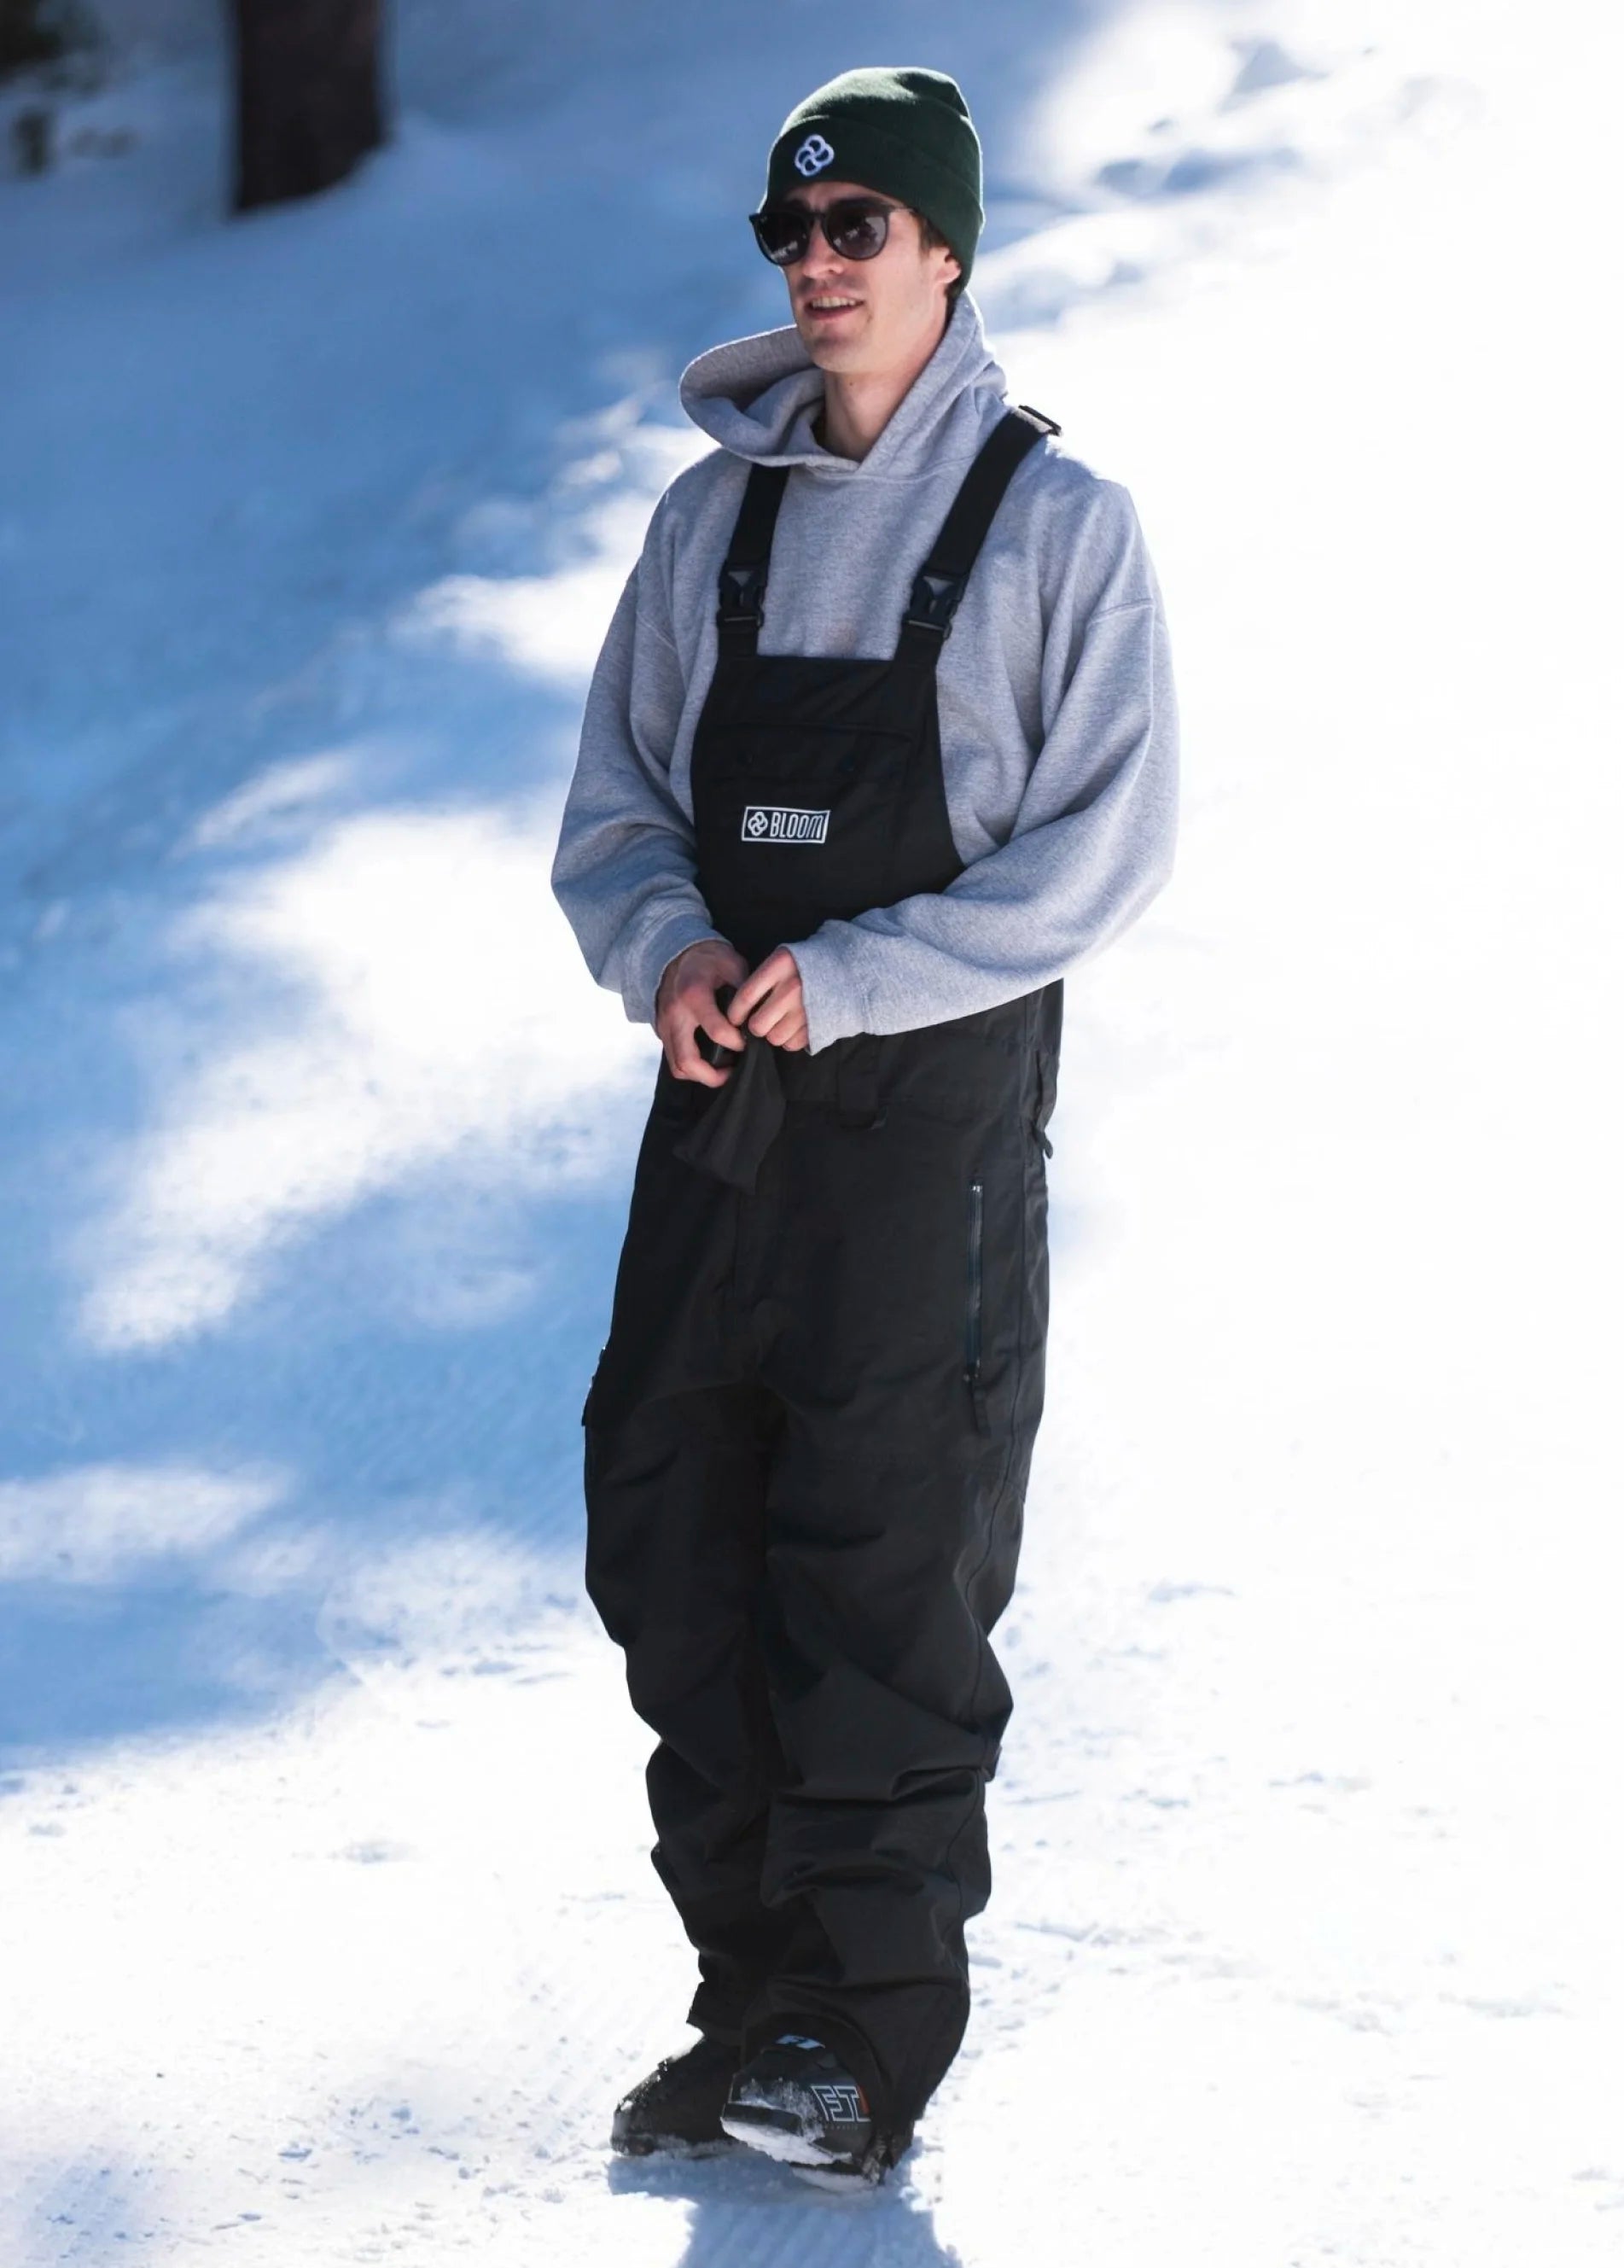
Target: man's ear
x: 954, y: 269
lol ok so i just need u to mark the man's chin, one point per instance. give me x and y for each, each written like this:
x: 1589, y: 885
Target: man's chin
x: 831, y: 353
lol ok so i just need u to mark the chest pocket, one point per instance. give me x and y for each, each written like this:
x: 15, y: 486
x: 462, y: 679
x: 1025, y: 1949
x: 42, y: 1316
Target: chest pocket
x: 805, y: 815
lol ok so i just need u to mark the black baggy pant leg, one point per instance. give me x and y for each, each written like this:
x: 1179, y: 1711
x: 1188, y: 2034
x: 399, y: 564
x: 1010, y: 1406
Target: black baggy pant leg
x: 893, y: 1520
x: 678, y: 1439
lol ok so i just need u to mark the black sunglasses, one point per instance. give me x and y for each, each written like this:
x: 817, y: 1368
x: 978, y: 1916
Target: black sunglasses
x: 855, y: 227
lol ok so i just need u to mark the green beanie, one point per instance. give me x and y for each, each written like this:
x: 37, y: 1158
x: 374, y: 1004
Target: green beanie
x: 906, y: 134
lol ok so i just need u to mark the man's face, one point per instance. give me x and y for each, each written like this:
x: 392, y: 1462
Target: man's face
x: 859, y: 317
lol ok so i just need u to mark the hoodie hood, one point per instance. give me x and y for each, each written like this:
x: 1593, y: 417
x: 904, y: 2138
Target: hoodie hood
x: 758, y: 397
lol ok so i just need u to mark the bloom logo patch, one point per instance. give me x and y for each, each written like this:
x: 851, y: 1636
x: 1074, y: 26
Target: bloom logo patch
x: 779, y: 822
x: 813, y: 156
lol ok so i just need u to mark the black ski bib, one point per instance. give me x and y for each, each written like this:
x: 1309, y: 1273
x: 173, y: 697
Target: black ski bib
x: 809, y: 1433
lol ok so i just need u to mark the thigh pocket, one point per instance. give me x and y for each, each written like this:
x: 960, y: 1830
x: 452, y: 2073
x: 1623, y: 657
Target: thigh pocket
x: 974, y: 1298
x: 1004, y: 1202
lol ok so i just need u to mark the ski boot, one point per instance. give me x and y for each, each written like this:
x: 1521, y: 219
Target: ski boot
x: 795, y: 2101
x: 677, y: 2108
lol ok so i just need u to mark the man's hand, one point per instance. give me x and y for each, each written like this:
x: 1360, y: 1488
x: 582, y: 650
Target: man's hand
x: 772, y: 991
x: 687, y: 1002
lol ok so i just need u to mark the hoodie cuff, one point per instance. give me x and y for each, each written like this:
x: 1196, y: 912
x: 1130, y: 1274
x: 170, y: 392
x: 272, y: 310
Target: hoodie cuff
x: 655, y: 956
x: 836, y: 1007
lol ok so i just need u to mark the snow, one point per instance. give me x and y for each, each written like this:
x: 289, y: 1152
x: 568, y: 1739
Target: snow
x: 328, y: 1927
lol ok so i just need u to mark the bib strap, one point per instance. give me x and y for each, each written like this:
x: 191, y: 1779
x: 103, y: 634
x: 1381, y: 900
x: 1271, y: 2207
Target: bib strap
x: 743, y: 586
x: 940, y: 583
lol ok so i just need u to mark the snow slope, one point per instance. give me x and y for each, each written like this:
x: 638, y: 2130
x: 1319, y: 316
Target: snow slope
x: 328, y: 1928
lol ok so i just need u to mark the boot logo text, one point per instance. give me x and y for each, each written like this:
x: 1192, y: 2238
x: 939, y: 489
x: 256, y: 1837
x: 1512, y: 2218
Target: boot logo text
x: 837, y: 2101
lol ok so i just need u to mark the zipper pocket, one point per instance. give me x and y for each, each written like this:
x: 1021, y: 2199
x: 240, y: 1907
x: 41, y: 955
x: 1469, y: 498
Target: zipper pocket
x: 973, y: 1310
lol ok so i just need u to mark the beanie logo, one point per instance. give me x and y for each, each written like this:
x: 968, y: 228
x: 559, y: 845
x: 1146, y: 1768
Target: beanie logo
x: 813, y: 156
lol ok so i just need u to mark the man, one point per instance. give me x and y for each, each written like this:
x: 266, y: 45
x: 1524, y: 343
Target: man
x: 883, y: 738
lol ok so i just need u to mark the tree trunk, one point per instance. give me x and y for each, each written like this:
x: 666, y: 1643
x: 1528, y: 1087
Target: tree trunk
x: 308, y: 105
x: 24, y: 38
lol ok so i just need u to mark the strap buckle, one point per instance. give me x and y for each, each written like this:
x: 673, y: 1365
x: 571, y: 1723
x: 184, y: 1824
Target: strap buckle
x: 933, y: 602
x: 743, y: 590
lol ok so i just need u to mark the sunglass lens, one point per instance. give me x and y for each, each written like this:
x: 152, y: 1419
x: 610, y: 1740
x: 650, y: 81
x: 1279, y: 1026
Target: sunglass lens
x: 782, y: 236
x: 857, y: 235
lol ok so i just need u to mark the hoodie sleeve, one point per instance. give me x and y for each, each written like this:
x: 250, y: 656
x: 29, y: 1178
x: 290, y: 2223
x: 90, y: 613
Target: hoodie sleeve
x: 1090, y: 845
x: 624, y: 868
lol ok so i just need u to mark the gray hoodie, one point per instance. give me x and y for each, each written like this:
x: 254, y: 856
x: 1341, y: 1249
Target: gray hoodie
x: 1058, y: 717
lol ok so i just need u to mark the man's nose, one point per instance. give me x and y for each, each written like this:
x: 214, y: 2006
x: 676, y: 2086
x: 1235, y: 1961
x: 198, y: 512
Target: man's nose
x: 821, y: 260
